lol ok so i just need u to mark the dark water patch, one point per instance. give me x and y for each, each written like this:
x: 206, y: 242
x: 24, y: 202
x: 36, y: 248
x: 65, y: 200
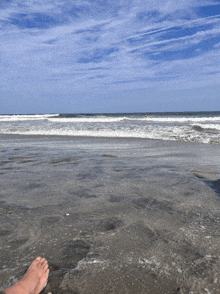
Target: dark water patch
x: 4, y: 162
x: 142, y: 233
x: 33, y: 186
x: 4, y: 233
x: 26, y: 161
x: 165, y: 206
x: 73, y: 252
x: 50, y: 220
x: 15, y: 244
x: 132, y: 175
x: 38, y: 210
x: 93, y: 255
x: 53, y: 284
x: 110, y: 224
x: 82, y: 194
x: 54, y: 267
x: 61, y: 160
x: 155, y: 204
x: 198, y: 128
x: 144, y: 230
x: 188, y: 194
x: 215, y: 185
x: 56, y: 276
x: 2, y: 210
x: 149, y: 233
x: 209, y: 178
x: 204, y: 173
x: 5, y: 208
x: 20, y: 157
x: 189, y: 253
x: 109, y: 156
x: 141, y: 202
x: 115, y: 199
x: 85, y: 176
x: 165, y: 235
x: 99, y: 186
x: 118, y: 169
x: 176, y: 155
x: 2, y: 173
x: 201, y: 267
x: 128, y: 174
x: 207, y: 130
x: 20, y: 209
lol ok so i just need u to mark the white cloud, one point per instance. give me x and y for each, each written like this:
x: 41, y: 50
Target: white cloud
x: 48, y: 58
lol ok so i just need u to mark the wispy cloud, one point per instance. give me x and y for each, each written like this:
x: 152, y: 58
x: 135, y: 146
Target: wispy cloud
x: 114, y: 45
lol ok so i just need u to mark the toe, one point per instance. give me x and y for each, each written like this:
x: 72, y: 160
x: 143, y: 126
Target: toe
x: 47, y: 273
x: 45, y: 266
x: 43, y: 261
x: 37, y: 260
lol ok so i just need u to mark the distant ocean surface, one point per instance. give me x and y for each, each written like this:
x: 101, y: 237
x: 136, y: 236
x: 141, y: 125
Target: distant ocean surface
x: 202, y: 127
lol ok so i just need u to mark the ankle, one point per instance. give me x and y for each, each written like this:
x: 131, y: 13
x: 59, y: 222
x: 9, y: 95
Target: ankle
x: 18, y: 288
x: 15, y: 289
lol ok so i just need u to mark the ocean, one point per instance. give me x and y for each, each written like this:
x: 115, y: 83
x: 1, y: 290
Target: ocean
x: 200, y: 127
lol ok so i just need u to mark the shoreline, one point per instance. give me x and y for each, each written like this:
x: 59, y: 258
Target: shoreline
x: 70, y: 137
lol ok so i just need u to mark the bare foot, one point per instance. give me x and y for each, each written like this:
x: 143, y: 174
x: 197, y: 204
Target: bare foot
x: 34, y: 280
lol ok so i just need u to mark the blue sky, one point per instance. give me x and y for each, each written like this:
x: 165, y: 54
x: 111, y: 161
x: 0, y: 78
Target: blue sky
x: 109, y: 56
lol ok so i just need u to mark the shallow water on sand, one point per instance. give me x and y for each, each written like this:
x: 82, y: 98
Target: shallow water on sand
x: 111, y: 215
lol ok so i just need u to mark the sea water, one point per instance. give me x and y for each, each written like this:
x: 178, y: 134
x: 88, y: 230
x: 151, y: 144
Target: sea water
x: 200, y: 127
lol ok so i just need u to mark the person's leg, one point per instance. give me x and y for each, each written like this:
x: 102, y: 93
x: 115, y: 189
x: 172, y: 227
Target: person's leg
x: 34, y: 280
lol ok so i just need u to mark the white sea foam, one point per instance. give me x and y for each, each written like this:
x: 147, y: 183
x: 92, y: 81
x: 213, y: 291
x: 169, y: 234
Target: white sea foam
x: 26, y: 117
x: 141, y: 119
x: 176, y: 133
x: 103, y: 118
x: 193, y: 129
x: 184, y: 119
x: 87, y: 119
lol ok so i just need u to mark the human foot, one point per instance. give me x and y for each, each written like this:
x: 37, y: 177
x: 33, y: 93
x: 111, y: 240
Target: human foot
x: 34, y: 280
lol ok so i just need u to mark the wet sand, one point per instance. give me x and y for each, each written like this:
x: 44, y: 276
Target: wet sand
x: 111, y: 215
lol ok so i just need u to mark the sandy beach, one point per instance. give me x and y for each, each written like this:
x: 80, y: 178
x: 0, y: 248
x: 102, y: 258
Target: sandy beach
x: 111, y: 215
